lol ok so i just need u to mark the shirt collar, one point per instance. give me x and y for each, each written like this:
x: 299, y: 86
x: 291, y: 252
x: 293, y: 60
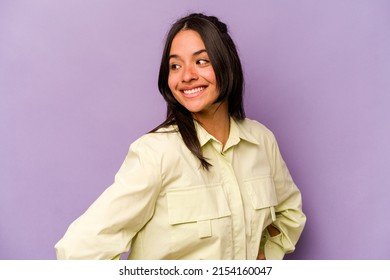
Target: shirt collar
x: 203, y: 135
x: 237, y: 133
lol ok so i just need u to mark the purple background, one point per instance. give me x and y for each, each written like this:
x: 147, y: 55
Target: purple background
x: 78, y: 84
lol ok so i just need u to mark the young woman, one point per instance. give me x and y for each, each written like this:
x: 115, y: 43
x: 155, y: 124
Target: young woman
x: 207, y: 183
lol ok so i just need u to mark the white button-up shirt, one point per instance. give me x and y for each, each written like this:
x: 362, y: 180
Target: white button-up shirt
x: 164, y: 205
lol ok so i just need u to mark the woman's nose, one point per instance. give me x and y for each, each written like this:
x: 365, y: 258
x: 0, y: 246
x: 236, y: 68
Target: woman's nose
x: 189, y: 74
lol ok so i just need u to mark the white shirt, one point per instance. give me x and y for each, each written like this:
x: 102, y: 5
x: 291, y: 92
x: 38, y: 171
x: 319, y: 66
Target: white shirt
x: 164, y: 205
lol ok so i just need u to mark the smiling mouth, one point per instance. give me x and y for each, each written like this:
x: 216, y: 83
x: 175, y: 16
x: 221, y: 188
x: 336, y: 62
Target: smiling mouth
x: 193, y: 91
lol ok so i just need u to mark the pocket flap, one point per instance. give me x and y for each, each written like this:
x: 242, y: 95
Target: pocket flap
x: 197, y: 204
x: 262, y: 192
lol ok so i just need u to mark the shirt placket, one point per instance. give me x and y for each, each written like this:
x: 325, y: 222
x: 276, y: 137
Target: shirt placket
x: 233, y: 195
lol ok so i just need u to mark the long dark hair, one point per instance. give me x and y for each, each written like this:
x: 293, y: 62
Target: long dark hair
x: 228, y: 71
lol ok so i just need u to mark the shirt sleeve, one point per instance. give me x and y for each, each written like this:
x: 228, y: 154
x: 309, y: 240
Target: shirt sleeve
x: 289, y: 218
x: 108, y: 226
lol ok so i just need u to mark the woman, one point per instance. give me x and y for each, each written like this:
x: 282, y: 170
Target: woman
x: 207, y: 183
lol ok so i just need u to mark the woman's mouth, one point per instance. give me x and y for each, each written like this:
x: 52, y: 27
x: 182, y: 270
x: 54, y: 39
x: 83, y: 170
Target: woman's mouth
x: 193, y: 91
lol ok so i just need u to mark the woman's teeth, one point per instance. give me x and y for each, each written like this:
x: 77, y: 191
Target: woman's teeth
x: 194, y: 90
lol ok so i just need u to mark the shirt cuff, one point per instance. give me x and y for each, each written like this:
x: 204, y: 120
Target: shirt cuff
x: 275, y: 247
x: 272, y: 249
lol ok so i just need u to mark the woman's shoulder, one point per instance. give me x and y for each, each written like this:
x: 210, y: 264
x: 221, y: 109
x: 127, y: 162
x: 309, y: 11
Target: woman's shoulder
x: 158, y: 140
x: 256, y: 129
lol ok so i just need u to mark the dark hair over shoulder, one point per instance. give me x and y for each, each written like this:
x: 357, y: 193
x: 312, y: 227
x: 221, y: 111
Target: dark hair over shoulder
x: 228, y: 71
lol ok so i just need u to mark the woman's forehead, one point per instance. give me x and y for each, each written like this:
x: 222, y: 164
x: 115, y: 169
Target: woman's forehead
x: 186, y: 42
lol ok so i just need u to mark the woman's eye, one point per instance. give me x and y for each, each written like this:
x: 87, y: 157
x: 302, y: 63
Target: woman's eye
x: 202, y: 61
x: 174, y: 66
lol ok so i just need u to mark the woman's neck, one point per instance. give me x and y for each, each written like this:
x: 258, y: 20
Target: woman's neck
x: 217, y: 123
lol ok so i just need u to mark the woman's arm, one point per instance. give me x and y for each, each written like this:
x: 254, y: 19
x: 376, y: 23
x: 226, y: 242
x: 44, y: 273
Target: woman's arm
x: 282, y: 235
x: 106, y: 229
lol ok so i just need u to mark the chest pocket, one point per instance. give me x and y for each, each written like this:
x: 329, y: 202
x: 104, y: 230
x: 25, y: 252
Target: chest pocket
x: 262, y: 194
x: 197, y: 206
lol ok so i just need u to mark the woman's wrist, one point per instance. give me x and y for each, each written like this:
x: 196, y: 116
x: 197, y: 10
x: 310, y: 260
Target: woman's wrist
x: 273, y: 231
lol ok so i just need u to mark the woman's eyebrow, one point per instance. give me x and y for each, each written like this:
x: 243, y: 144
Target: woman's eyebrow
x: 173, y: 56
x: 194, y: 54
x: 199, y: 52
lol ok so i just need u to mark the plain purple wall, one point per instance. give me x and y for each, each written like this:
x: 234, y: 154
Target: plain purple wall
x: 78, y: 85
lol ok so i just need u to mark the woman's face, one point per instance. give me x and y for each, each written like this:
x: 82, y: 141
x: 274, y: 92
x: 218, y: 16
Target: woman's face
x: 191, y: 77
